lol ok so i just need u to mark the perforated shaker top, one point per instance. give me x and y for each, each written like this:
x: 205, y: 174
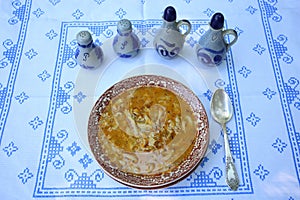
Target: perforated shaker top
x: 124, y: 26
x: 84, y: 38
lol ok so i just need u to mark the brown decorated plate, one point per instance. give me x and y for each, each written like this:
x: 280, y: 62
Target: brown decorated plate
x: 148, y: 131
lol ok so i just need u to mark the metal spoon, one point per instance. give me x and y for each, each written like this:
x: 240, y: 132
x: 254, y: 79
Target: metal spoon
x: 221, y: 110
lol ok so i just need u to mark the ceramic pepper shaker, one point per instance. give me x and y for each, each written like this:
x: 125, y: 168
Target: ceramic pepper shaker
x: 212, y: 45
x: 126, y: 43
x: 168, y: 40
x: 88, y: 55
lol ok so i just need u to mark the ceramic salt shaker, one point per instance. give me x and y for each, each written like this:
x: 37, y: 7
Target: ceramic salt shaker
x: 169, y: 40
x: 126, y: 43
x: 88, y: 54
x: 212, y: 45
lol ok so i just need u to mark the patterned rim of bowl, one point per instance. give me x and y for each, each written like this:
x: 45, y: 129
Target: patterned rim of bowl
x: 166, y: 178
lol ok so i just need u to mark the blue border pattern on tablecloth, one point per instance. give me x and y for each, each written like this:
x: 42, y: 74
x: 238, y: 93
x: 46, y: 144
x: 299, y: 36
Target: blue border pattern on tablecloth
x: 13, y: 56
x: 54, y: 140
x: 288, y: 94
x: 200, y: 182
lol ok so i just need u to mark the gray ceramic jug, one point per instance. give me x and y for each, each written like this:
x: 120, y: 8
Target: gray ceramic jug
x: 212, y: 45
x: 169, y: 40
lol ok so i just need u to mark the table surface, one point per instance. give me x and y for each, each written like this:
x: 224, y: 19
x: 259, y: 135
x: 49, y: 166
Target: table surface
x: 45, y: 97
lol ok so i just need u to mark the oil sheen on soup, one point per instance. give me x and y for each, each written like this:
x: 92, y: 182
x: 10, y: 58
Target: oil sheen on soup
x: 147, y: 130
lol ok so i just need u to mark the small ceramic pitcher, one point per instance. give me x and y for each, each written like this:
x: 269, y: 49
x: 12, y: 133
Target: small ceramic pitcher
x: 212, y: 46
x: 88, y: 55
x: 169, y: 40
x: 126, y: 43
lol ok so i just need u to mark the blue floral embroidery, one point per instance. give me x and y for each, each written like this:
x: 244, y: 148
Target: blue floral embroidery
x: 209, y: 12
x: 259, y: 49
x: 10, y: 149
x: 253, y: 119
x: 35, y: 123
x: 38, y: 12
x: 244, y: 71
x: 85, y: 161
x: 261, y: 172
x: 279, y: 145
x: 54, y: 2
x: 214, y: 146
x: 73, y: 148
x: 99, y: 1
x: 25, y: 175
x: 51, y: 34
x: 21, y: 97
x: 79, y: 97
x: 269, y: 93
x: 121, y: 13
x: 77, y: 14
x: 251, y: 10
x: 44, y: 75
x: 31, y: 53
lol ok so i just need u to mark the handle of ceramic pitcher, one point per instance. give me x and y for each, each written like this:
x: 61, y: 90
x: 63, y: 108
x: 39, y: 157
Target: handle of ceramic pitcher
x: 185, y: 23
x: 230, y: 32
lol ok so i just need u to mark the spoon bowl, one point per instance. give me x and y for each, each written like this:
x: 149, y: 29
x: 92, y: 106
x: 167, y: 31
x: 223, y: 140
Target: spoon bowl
x: 221, y: 107
x: 222, y: 111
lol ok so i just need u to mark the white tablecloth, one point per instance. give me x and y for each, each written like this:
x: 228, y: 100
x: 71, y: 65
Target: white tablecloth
x: 45, y: 97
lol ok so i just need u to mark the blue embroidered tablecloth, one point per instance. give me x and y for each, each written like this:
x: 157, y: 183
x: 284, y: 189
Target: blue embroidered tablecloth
x: 45, y: 97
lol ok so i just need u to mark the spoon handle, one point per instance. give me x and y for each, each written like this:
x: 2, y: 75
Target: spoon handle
x: 232, y: 178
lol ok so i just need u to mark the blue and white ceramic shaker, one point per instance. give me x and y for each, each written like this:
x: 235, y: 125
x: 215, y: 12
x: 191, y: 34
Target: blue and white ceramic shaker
x: 88, y: 55
x: 126, y: 43
x: 212, y: 45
